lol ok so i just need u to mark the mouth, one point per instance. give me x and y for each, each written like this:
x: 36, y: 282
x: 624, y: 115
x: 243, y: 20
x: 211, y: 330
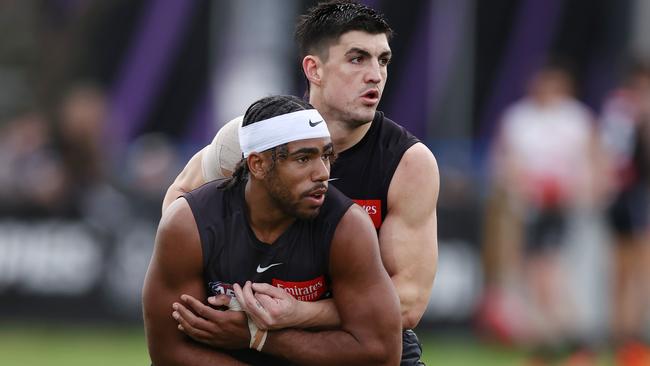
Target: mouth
x: 316, y: 196
x: 370, y: 97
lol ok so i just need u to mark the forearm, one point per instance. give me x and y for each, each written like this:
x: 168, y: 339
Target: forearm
x: 411, y: 265
x: 412, y: 277
x: 318, y: 315
x: 280, y: 310
x: 413, y: 298
x: 334, y: 347
x: 190, y: 353
x: 167, y: 345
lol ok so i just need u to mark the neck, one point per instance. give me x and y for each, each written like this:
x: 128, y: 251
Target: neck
x: 344, y: 133
x: 267, y: 221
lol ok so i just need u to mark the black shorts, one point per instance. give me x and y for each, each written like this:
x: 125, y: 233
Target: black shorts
x: 628, y: 213
x: 411, y: 349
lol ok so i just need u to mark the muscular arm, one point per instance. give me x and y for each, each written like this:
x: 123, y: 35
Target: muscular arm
x: 408, y: 236
x: 370, y: 331
x: 190, y: 177
x: 175, y: 269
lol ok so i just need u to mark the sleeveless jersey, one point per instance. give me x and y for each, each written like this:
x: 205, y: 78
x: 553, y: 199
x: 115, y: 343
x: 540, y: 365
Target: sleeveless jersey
x: 298, y: 261
x: 364, y: 171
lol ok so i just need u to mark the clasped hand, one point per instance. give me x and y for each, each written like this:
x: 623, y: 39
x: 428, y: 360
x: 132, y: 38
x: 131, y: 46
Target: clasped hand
x: 269, y: 307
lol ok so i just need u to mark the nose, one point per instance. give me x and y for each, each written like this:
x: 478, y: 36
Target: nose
x: 373, y: 74
x: 321, y: 171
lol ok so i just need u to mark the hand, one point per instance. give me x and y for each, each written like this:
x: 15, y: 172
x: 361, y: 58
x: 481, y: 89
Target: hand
x: 268, y: 306
x: 217, y: 328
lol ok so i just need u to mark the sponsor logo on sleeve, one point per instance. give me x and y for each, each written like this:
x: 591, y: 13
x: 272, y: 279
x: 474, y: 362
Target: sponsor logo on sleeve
x: 221, y: 288
x: 373, y: 208
x: 310, y: 290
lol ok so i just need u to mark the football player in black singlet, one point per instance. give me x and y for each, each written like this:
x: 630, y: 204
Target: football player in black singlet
x: 274, y: 222
x: 345, y: 56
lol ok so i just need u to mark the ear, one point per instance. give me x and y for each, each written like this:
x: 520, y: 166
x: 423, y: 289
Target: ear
x: 257, y: 165
x: 312, y: 67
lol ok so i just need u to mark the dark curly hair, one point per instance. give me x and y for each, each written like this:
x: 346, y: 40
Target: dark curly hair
x: 260, y: 110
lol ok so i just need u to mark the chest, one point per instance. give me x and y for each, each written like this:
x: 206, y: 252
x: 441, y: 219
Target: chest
x: 364, y: 177
x: 296, y: 262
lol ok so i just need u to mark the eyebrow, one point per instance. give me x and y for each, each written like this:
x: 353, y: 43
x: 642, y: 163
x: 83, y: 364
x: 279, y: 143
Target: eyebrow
x: 304, y: 150
x: 388, y: 54
x: 365, y: 53
x: 312, y: 150
x: 360, y: 51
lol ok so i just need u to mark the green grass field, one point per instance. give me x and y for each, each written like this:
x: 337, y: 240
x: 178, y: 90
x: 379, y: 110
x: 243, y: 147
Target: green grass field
x: 78, y: 345
x: 125, y: 346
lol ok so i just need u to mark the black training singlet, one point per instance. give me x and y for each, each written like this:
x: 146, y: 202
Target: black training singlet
x: 298, y: 261
x: 364, y: 171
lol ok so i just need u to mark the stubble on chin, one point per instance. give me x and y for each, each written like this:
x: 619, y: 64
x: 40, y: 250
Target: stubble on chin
x: 356, y: 115
x: 312, y: 214
x: 359, y: 119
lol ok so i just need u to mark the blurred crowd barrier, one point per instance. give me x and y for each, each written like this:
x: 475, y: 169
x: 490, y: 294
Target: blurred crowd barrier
x: 76, y: 229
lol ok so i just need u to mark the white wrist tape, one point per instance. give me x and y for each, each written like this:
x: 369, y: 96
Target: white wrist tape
x: 263, y: 135
x: 258, y: 337
x: 234, y: 304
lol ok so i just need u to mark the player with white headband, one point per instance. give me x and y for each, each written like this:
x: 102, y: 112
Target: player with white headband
x: 219, y: 159
x: 300, y: 125
x: 275, y: 222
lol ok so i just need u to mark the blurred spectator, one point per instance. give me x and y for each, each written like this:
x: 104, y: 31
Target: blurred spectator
x: 152, y: 163
x: 625, y: 128
x: 82, y: 128
x: 545, y: 162
x: 33, y: 181
x: 82, y: 118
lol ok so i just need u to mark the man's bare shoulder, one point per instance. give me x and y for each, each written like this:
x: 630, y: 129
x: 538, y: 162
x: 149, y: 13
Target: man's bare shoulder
x: 416, y: 182
x: 178, y: 221
x: 419, y: 159
x: 177, y: 253
x: 356, y: 224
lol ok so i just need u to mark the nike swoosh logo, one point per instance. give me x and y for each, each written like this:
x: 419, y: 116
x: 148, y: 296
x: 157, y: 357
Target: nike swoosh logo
x: 332, y: 179
x: 314, y: 124
x: 263, y: 269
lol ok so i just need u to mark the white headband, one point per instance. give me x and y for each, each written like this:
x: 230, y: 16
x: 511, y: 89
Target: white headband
x: 278, y: 130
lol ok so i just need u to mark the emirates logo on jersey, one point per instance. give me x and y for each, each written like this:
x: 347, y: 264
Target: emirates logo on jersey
x: 310, y: 290
x: 373, y: 208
